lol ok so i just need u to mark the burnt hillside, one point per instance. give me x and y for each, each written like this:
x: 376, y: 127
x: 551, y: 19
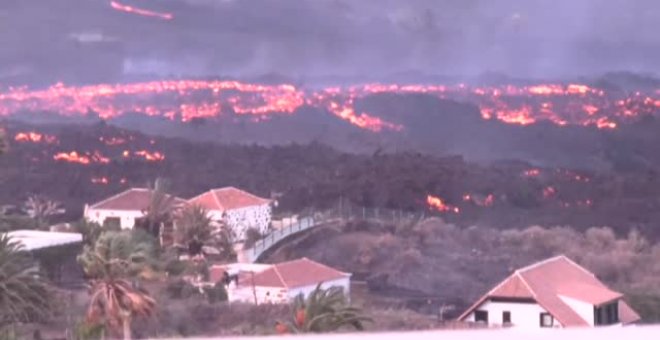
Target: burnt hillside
x: 76, y: 164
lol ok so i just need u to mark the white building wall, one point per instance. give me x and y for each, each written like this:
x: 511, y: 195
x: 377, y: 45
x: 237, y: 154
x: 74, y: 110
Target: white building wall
x: 127, y: 217
x: 239, y: 220
x: 523, y: 315
x: 345, y: 283
x: 583, y: 309
x: 246, y: 294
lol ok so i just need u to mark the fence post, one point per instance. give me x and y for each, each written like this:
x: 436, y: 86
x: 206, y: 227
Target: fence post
x: 364, y: 213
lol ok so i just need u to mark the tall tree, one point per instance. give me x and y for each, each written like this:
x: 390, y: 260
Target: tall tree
x: 110, y: 264
x: 324, y: 310
x: 89, y: 230
x: 23, y: 295
x: 41, y: 209
x: 194, y: 228
x: 160, y: 210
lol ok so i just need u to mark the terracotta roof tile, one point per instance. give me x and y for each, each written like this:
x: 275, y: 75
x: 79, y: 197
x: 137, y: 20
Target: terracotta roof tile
x: 547, y: 280
x: 131, y: 199
x: 228, y: 199
x: 513, y: 287
x: 296, y: 273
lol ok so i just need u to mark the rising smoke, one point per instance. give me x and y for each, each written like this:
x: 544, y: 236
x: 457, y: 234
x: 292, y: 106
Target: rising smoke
x: 340, y: 37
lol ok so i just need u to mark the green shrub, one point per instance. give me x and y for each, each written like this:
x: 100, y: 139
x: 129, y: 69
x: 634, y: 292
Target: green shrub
x: 180, y: 289
x: 217, y: 293
x: 88, y: 331
x: 175, y: 267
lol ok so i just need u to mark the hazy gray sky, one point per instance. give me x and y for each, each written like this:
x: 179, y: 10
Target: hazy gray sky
x: 347, y: 37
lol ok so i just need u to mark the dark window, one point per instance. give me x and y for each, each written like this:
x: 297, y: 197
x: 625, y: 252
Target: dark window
x: 606, y: 314
x: 481, y: 316
x: 112, y: 223
x: 506, y: 317
x: 546, y: 320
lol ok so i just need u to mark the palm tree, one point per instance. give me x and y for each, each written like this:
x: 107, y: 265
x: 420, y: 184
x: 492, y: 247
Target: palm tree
x: 194, y: 228
x: 160, y: 209
x: 41, y: 209
x: 89, y: 230
x: 110, y: 264
x: 324, y: 310
x: 23, y: 295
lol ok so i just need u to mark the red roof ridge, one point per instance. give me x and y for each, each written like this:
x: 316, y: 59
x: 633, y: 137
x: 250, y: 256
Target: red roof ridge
x: 306, y: 259
x: 280, y: 276
x: 522, y: 279
x: 115, y: 196
x: 542, y: 262
x: 216, y: 199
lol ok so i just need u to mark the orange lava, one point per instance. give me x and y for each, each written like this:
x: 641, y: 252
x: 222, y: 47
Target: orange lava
x: 438, y: 204
x: 34, y: 137
x: 549, y: 192
x: 184, y: 100
x: 87, y: 158
x: 139, y: 11
x: 150, y: 156
x: 531, y: 173
x: 111, y: 141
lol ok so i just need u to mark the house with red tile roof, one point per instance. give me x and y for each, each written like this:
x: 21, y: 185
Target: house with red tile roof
x: 124, y: 208
x: 237, y: 208
x: 554, y: 293
x: 277, y: 283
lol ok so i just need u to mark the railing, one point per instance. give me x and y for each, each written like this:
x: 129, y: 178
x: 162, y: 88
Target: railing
x: 344, y: 212
x: 252, y: 254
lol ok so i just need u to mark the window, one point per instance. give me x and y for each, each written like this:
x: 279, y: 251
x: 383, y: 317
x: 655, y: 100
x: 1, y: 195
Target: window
x: 606, y: 314
x: 546, y: 320
x: 481, y: 316
x: 112, y: 223
x: 506, y: 317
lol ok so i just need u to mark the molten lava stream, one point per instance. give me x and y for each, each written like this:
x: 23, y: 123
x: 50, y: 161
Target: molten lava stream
x: 139, y: 11
x: 436, y: 203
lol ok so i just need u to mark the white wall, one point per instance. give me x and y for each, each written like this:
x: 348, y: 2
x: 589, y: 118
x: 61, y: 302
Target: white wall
x: 239, y: 220
x: 246, y: 293
x: 127, y: 217
x: 345, y: 283
x: 523, y: 315
x: 583, y: 309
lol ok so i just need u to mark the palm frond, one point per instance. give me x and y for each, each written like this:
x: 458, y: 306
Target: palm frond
x: 23, y: 295
x: 324, y: 310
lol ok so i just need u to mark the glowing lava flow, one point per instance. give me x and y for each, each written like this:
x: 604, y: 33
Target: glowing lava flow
x: 185, y: 100
x: 85, y: 159
x: 150, y: 156
x: 139, y: 11
x: 438, y: 204
x: 34, y: 137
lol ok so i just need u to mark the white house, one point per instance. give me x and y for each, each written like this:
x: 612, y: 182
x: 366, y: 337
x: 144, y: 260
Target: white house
x: 239, y: 209
x: 278, y: 283
x: 124, y: 208
x: 31, y: 240
x: 554, y: 293
x: 42, y: 245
